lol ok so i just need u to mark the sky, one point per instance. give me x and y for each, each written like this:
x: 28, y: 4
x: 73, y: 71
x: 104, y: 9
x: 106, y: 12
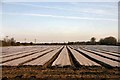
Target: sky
x: 59, y: 21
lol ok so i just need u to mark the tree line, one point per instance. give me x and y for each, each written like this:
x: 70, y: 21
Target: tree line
x: 103, y: 41
x: 12, y: 42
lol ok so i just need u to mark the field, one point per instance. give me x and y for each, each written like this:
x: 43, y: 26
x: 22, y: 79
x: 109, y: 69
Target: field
x: 61, y: 62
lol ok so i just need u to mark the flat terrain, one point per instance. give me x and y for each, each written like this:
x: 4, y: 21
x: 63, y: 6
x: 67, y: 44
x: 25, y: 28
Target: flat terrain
x: 61, y: 62
x: 27, y: 72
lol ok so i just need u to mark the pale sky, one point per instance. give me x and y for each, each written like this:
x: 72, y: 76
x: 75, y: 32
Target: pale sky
x: 59, y: 21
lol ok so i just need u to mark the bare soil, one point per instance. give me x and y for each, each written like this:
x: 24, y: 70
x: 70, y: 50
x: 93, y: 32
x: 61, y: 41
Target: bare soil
x: 59, y: 73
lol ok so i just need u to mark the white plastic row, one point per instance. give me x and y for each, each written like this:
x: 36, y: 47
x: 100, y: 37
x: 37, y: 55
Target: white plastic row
x: 105, y: 60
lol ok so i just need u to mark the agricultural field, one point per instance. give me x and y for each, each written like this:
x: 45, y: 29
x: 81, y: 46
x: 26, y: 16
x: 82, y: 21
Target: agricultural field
x: 60, y: 61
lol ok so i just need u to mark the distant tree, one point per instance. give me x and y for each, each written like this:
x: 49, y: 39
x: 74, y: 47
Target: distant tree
x: 18, y: 43
x: 93, y: 40
x: 12, y: 40
x: 108, y: 41
x: 101, y: 41
x: 8, y: 41
x: 31, y: 43
x: 88, y: 43
x: 0, y: 43
x: 118, y: 44
x: 70, y: 43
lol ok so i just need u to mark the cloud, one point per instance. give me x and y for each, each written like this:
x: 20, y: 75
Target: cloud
x: 100, y: 12
x: 59, y: 0
x: 39, y: 6
x: 101, y: 9
x: 84, y: 10
x: 63, y: 17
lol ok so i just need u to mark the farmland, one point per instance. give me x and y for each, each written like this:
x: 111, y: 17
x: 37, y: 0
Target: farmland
x: 61, y: 61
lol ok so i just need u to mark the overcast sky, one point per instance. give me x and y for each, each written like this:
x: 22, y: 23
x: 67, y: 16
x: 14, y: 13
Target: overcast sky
x: 59, y: 21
